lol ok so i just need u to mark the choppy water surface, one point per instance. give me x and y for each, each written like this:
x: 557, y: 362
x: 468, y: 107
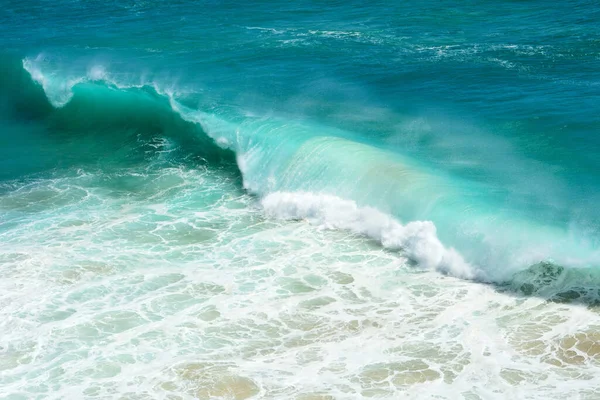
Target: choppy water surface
x: 299, y: 201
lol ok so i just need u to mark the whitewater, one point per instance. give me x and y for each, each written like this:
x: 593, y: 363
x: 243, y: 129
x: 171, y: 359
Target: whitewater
x: 358, y: 202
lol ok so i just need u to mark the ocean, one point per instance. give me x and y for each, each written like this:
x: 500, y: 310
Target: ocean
x: 299, y: 200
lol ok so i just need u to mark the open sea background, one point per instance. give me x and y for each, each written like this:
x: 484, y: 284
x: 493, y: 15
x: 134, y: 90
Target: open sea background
x: 299, y: 200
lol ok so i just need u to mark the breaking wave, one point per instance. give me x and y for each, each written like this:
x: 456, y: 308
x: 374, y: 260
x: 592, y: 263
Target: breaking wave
x: 298, y: 170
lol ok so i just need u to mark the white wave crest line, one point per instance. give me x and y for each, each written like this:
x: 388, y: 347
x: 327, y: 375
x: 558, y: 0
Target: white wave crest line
x: 60, y: 91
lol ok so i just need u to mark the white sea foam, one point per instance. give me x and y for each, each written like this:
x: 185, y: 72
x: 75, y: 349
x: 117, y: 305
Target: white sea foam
x: 171, y: 294
x: 417, y: 239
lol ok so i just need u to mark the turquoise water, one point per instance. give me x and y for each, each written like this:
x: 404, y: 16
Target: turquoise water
x: 304, y: 200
